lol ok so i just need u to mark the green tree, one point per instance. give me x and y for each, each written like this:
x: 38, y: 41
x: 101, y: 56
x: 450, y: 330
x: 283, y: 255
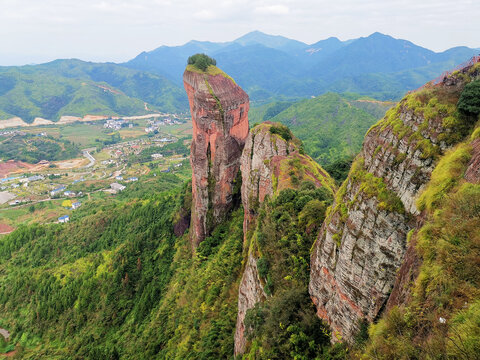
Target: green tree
x: 469, y: 102
x: 201, y: 61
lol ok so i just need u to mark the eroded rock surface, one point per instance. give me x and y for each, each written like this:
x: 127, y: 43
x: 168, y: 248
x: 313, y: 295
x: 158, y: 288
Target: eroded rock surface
x: 267, y: 164
x: 250, y: 292
x: 262, y: 151
x: 219, y: 111
x: 363, y: 240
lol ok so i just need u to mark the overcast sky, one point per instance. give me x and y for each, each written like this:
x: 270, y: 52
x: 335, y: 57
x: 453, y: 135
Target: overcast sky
x: 34, y: 31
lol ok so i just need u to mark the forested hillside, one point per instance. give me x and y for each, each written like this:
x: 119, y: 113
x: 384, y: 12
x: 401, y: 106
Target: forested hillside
x: 77, y: 88
x: 32, y: 149
x: 331, y: 126
x: 117, y: 283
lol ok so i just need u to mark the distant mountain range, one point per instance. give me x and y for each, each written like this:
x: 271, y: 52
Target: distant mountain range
x: 268, y: 67
x: 277, y: 67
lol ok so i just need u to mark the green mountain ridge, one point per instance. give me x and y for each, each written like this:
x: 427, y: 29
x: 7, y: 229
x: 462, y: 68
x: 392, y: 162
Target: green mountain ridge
x: 77, y: 88
x: 116, y: 283
x: 331, y: 126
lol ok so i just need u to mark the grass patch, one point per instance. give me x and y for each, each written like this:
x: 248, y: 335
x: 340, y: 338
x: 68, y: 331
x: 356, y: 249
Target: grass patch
x: 445, y: 176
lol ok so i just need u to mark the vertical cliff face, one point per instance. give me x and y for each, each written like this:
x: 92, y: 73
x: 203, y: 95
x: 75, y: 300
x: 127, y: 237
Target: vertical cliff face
x: 363, y: 240
x: 219, y: 109
x: 271, y: 161
x: 261, y: 148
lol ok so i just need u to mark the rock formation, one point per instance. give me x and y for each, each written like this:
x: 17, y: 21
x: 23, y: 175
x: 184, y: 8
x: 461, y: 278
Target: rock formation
x: 219, y: 109
x: 262, y: 149
x: 267, y: 164
x: 363, y: 241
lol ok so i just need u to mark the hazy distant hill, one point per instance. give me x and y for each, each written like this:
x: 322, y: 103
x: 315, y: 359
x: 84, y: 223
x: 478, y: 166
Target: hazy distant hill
x: 331, y: 126
x: 74, y: 87
x: 274, y: 66
x: 270, y: 68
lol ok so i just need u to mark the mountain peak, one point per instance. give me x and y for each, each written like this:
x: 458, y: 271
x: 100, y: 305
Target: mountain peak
x: 378, y: 35
x: 273, y: 41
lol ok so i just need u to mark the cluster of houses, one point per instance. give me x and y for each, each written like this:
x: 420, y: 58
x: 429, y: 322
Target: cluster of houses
x: 66, y: 218
x: 12, y: 133
x: 20, y: 179
x: 130, y: 179
x: 116, y: 124
x: 57, y: 191
x: 61, y: 190
x: 153, y: 125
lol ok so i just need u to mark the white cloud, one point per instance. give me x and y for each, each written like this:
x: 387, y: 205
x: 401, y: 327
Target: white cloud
x: 116, y: 30
x: 204, y: 15
x: 272, y: 10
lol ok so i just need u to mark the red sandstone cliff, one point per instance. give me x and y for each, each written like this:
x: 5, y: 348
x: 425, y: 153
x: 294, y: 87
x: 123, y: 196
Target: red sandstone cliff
x: 219, y: 109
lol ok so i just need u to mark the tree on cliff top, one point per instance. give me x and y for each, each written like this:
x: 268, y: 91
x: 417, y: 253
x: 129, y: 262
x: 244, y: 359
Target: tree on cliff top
x: 201, y: 61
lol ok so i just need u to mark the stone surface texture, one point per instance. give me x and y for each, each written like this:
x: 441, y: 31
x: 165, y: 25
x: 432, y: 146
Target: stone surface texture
x: 250, y: 292
x: 262, y: 150
x: 219, y: 110
x: 358, y: 254
x: 266, y: 167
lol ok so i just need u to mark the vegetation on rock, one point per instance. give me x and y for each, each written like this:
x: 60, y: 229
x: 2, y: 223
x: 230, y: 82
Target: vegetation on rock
x: 469, y: 102
x: 285, y: 325
x: 201, y: 61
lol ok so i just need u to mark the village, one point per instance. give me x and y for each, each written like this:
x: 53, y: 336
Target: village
x: 52, y: 191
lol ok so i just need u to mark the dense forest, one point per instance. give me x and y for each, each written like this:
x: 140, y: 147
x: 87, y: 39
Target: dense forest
x: 118, y: 283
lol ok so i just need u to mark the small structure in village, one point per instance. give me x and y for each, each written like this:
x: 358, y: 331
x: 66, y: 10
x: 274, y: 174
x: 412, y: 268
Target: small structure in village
x: 64, y: 219
x: 117, y: 187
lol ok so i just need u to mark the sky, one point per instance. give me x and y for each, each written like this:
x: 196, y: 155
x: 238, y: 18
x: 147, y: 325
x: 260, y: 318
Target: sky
x: 35, y: 31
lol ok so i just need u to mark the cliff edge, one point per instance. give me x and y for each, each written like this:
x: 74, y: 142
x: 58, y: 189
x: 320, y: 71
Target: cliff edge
x: 272, y: 160
x: 219, y: 109
x: 364, y: 239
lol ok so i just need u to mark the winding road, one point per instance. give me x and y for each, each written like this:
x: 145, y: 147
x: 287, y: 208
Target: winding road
x: 87, y: 154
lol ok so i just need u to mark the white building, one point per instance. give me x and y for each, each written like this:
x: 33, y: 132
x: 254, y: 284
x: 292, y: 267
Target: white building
x: 64, y: 219
x: 117, y: 187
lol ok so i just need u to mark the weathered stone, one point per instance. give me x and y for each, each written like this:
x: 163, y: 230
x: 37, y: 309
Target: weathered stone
x: 250, y: 292
x: 262, y: 150
x: 472, y: 174
x: 219, y: 111
x: 357, y: 254
x: 351, y: 278
x: 265, y: 166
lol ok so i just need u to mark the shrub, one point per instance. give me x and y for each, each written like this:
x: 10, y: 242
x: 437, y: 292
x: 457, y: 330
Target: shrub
x: 469, y: 102
x: 282, y: 130
x: 262, y: 266
x: 201, y: 61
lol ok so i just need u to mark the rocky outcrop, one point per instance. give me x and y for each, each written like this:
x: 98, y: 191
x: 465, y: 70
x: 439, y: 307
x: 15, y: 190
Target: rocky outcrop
x: 250, y: 292
x: 219, y: 109
x: 262, y: 150
x: 472, y: 174
x: 270, y: 163
x: 362, y: 243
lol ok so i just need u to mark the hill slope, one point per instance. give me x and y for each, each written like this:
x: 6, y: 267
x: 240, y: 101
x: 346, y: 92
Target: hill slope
x: 330, y: 126
x: 401, y: 238
x: 74, y: 87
